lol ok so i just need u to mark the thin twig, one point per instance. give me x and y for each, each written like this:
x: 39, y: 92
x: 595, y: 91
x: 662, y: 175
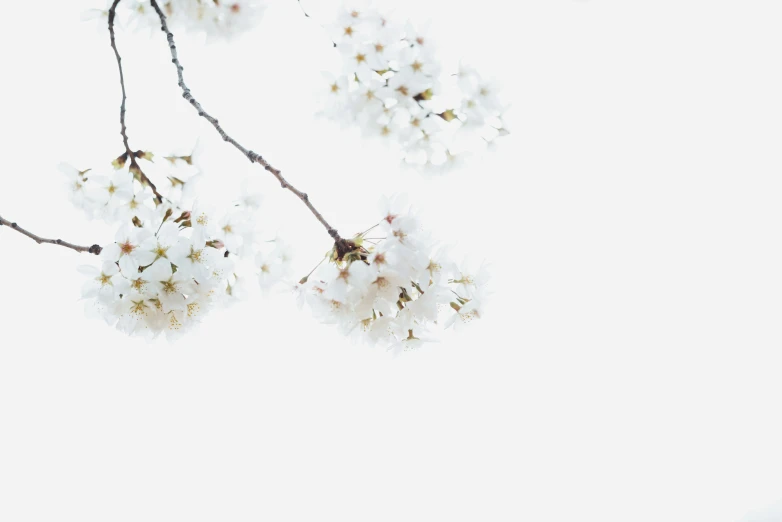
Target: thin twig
x: 303, y: 10
x: 306, y: 14
x: 370, y: 228
x: 94, y: 249
x: 306, y: 277
x: 342, y: 244
x: 134, y: 167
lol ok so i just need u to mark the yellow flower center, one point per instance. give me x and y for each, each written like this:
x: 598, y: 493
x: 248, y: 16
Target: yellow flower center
x: 138, y: 308
x: 138, y: 285
x: 169, y: 287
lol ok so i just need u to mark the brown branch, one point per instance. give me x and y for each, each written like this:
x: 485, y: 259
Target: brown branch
x: 129, y: 154
x: 94, y: 249
x: 341, y: 244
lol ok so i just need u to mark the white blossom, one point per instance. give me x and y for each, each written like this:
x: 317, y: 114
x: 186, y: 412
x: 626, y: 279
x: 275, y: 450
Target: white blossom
x: 105, y: 283
x: 77, y: 186
x: 273, y: 262
x: 127, y: 250
x: 107, y: 192
x: 139, y: 205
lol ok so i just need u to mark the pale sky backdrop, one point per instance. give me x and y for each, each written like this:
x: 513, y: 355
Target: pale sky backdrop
x: 628, y: 368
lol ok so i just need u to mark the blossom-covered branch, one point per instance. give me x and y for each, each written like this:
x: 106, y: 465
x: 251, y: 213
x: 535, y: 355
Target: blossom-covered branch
x: 128, y: 154
x: 94, y: 249
x: 342, y: 244
x: 391, y: 284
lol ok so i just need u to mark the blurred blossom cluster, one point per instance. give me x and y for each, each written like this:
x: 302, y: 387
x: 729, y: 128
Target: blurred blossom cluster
x: 171, y: 261
x: 392, y: 285
x: 217, y: 19
x: 392, y: 85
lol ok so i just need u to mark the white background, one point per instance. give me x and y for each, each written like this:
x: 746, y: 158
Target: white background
x: 628, y: 368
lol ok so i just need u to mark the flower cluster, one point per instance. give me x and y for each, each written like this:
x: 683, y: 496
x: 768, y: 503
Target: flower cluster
x: 171, y: 261
x: 391, y: 85
x: 215, y: 19
x: 389, y: 285
x: 121, y: 194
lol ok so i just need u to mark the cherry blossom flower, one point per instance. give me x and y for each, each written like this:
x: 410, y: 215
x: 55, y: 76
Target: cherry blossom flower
x: 107, y: 192
x: 273, y: 264
x: 76, y: 184
x: 127, y: 250
x: 139, y: 206
x: 471, y: 310
x: 105, y: 283
x: 193, y: 258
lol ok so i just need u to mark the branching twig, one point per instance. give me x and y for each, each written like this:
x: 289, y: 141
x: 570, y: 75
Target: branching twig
x: 341, y: 244
x: 134, y: 167
x: 94, y: 249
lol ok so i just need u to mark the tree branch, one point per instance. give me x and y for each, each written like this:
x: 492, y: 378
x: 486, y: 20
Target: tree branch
x: 134, y: 167
x: 252, y: 156
x: 94, y: 249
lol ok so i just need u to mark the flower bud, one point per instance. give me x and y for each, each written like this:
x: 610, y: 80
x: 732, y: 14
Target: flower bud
x: 120, y: 161
x: 448, y: 115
